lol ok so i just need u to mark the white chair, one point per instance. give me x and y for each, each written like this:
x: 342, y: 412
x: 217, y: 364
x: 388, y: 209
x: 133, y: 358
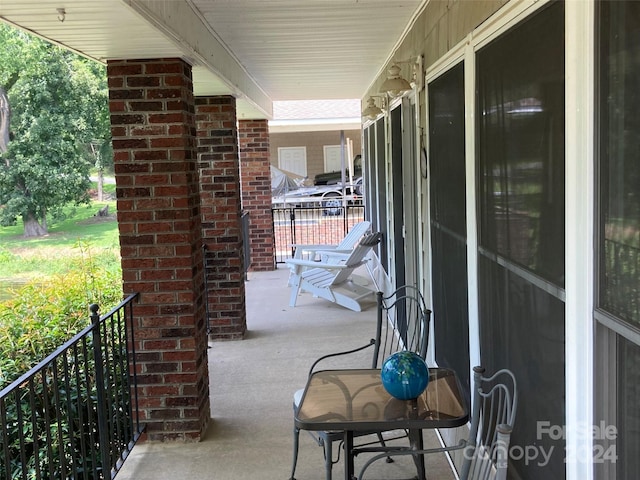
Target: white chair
x: 350, y: 240
x: 310, y: 251
x: 330, y: 278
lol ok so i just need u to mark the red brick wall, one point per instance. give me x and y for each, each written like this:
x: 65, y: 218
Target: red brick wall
x: 256, y: 191
x: 153, y: 128
x: 221, y: 209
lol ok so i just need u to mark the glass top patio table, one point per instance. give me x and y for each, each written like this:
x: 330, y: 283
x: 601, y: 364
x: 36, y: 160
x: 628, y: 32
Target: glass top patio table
x: 355, y: 401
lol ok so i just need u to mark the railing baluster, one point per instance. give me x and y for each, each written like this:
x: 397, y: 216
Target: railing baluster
x: 94, y: 454
x: 6, y: 462
x: 81, y: 420
x: 100, y: 397
x: 20, y: 429
x: 34, y: 424
x: 69, y: 416
x: 59, y: 425
x: 47, y: 423
x: 121, y: 374
x: 132, y: 377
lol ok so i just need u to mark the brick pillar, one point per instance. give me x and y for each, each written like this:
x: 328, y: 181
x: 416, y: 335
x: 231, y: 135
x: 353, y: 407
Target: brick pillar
x: 221, y: 210
x: 256, y: 190
x: 153, y: 128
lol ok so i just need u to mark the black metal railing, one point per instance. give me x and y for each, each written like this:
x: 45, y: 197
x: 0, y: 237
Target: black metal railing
x: 311, y: 225
x: 74, y: 415
x: 246, y: 241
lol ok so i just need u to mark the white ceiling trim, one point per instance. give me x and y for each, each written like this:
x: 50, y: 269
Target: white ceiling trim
x: 180, y: 22
x: 315, y: 125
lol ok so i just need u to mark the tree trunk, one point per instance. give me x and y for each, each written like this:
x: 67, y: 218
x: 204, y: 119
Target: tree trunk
x: 100, y: 184
x: 33, y: 228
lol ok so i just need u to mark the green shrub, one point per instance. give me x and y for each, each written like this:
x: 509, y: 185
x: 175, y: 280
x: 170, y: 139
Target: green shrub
x: 46, y: 312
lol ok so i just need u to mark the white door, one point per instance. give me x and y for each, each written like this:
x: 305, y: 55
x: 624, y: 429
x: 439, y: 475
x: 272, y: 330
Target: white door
x: 333, y: 158
x: 293, y: 159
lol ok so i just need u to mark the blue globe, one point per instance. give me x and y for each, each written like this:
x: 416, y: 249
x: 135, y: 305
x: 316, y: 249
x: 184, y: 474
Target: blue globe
x: 404, y: 375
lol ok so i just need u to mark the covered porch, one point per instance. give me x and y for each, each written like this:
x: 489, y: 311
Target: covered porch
x: 253, y: 381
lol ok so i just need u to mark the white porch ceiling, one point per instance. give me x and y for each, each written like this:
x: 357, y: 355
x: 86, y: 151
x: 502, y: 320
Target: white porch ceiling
x: 257, y: 50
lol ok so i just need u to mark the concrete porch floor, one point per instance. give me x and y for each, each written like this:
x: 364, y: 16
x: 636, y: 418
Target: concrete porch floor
x: 252, y: 383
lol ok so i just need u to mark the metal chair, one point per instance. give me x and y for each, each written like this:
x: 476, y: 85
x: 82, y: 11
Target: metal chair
x: 402, y: 324
x: 485, y: 452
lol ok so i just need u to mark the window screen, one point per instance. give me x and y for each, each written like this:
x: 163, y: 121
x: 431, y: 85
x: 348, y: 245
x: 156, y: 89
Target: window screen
x: 618, y: 292
x: 448, y: 223
x: 520, y: 158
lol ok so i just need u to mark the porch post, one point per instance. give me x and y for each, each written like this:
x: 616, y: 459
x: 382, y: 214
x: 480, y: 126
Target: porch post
x: 221, y: 216
x: 255, y: 167
x: 153, y: 129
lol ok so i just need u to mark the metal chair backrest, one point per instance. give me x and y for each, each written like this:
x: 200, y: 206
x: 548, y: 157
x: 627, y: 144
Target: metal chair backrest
x: 495, y: 400
x: 402, y: 324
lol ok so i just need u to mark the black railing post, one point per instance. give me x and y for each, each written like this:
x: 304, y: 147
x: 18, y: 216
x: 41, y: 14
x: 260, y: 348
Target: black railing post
x: 206, y: 287
x: 103, y: 433
x: 292, y: 227
x: 133, y: 382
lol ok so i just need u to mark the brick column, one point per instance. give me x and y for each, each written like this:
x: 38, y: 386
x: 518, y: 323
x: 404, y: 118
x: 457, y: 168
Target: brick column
x: 256, y: 190
x: 221, y: 209
x: 152, y: 123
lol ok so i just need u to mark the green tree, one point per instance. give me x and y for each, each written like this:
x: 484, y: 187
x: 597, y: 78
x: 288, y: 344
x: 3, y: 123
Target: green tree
x: 98, y: 147
x: 58, y: 108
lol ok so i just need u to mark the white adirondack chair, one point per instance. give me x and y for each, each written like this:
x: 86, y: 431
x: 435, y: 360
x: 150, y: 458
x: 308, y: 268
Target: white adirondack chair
x: 310, y: 251
x: 350, y: 240
x: 330, y: 278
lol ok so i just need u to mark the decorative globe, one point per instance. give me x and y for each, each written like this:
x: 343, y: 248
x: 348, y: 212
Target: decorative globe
x: 404, y: 375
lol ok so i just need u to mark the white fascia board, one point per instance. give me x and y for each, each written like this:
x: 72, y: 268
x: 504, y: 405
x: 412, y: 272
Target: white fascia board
x: 180, y: 22
x: 314, y: 125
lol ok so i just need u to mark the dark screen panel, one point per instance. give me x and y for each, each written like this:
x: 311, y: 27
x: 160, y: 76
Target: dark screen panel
x: 397, y: 195
x: 448, y: 223
x: 521, y: 145
x: 619, y: 220
x: 520, y: 148
x: 381, y: 159
x: 619, y: 166
x: 522, y: 328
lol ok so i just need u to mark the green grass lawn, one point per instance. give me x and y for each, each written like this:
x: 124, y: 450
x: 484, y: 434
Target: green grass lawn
x: 81, y: 235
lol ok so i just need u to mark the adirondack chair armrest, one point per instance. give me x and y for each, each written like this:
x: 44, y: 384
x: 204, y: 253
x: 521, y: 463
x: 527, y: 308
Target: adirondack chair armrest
x: 312, y: 264
x: 334, y: 251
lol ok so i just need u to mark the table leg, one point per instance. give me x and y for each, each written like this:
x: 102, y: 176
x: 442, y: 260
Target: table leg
x: 348, y: 455
x: 417, y: 443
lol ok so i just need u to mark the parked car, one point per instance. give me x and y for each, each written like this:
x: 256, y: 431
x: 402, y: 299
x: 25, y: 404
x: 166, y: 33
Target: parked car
x: 288, y: 189
x: 332, y: 178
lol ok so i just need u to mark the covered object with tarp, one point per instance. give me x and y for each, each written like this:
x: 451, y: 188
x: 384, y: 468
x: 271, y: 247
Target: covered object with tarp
x: 283, y: 182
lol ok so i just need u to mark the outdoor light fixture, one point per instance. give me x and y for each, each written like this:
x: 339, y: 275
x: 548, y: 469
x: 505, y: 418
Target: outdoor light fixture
x: 372, y: 110
x: 395, y: 85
